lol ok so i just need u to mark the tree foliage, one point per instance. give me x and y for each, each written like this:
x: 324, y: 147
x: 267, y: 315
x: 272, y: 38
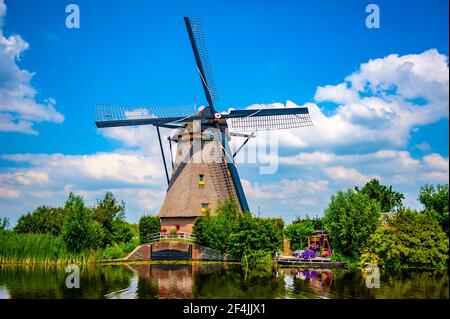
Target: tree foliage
x: 240, y: 235
x: 43, y: 220
x: 435, y: 200
x: 110, y: 214
x: 350, y: 219
x: 214, y: 231
x: 389, y: 199
x: 298, y: 233
x: 79, y: 230
x: 102, y: 224
x: 148, y: 225
x: 254, y: 234
x: 410, y: 239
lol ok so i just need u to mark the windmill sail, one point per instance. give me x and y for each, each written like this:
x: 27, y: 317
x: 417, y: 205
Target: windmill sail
x: 109, y: 116
x: 268, y: 119
x: 198, y: 43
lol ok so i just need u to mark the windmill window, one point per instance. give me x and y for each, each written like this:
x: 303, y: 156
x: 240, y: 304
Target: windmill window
x: 201, y: 179
x: 205, y: 207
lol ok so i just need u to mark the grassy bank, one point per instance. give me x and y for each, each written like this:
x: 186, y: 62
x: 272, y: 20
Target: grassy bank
x: 48, y: 249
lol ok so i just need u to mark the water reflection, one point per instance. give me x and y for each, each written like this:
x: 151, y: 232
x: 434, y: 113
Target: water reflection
x: 145, y: 281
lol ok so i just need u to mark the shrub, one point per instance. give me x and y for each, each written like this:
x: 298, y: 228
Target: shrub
x: 113, y: 252
x: 121, y: 232
x: 173, y: 231
x: 242, y: 236
x: 350, y: 219
x: 368, y: 258
x: 410, y: 239
x: 148, y: 225
x: 128, y: 247
x: 215, y: 231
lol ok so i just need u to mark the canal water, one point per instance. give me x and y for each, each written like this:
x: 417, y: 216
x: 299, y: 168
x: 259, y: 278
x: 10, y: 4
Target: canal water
x: 217, y: 281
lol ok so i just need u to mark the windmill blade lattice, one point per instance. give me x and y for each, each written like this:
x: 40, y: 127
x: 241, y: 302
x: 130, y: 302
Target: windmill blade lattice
x: 268, y: 119
x: 200, y: 46
x: 113, y: 115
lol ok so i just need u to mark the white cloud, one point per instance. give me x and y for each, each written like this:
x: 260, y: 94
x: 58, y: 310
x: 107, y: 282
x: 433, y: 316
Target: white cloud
x: 436, y: 161
x: 438, y: 168
x: 288, y: 197
x: 348, y: 175
x: 136, y: 178
x: 336, y: 93
x: 19, y: 109
x: 24, y: 177
x: 9, y: 193
x: 82, y: 170
x: 377, y: 106
x: 424, y: 147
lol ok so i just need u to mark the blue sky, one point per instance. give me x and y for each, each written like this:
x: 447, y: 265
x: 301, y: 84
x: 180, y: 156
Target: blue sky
x: 262, y: 53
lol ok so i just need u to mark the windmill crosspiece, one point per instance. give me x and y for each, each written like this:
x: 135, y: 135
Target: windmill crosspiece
x: 194, y: 187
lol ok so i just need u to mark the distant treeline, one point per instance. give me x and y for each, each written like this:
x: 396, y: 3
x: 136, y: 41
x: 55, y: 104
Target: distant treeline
x: 71, y: 232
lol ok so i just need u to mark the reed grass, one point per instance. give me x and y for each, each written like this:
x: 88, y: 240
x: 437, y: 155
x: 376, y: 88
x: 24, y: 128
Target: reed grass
x: 31, y: 249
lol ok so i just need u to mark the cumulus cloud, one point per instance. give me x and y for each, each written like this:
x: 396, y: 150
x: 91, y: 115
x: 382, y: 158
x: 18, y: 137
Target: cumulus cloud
x: 19, y: 109
x: 134, y: 177
x: 438, y: 168
x: 348, y: 175
x: 288, y: 197
x: 376, y: 106
x: 84, y: 170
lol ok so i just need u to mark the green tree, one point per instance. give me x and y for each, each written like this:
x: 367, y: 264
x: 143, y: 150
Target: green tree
x: 435, y: 200
x: 350, y: 219
x: 110, y: 214
x: 389, y: 199
x: 79, y: 230
x: 42, y: 220
x: 260, y: 236
x: 148, y: 225
x: 218, y: 228
x: 298, y: 233
x: 240, y: 235
x: 410, y: 239
x: 299, y: 230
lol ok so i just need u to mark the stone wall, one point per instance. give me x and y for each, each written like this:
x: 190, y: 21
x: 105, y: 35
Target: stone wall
x: 141, y: 252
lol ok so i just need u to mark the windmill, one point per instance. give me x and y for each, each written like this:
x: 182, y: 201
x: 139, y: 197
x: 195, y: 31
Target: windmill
x: 203, y: 172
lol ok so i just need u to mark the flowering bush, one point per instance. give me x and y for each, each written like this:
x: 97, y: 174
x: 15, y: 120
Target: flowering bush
x: 298, y: 253
x: 177, y: 226
x: 314, y: 246
x: 326, y: 254
x: 307, y: 254
x: 164, y: 230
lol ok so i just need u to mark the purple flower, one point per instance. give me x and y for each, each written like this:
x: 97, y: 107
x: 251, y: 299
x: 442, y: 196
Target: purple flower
x: 308, y: 254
